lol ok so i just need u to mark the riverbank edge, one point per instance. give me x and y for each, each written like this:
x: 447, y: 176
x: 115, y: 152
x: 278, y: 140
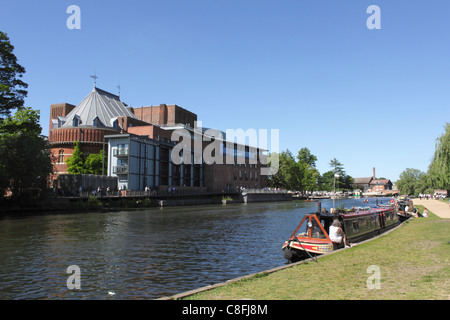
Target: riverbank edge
x: 189, y: 293
x: 114, y: 204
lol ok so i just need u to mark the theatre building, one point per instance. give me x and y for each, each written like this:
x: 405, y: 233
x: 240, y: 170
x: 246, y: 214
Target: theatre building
x: 138, y: 145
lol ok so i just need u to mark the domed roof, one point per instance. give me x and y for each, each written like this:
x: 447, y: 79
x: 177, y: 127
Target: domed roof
x: 98, y: 109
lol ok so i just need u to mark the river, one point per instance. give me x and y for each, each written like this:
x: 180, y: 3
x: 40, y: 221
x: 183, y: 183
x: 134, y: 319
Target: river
x: 144, y: 254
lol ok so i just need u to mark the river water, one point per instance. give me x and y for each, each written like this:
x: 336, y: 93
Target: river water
x: 144, y: 254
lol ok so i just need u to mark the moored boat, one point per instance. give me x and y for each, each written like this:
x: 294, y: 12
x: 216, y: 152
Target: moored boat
x: 311, y: 237
x: 402, y: 203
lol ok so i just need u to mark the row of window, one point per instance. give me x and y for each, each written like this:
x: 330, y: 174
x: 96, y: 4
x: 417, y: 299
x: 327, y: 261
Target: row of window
x: 245, y: 176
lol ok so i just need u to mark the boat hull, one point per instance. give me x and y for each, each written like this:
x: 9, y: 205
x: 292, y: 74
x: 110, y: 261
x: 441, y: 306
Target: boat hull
x: 296, y: 250
x: 357, y: 226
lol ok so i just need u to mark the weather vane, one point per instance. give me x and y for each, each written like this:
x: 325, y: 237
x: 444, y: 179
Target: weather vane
x: 95, y: 79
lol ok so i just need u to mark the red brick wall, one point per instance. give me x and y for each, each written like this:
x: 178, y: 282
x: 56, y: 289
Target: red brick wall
x: 165, y: 114
x: 59, y: 109
x: 151, y: 132
x: 63, y: 139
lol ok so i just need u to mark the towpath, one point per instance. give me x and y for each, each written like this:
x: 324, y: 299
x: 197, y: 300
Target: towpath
x: 439, y: 208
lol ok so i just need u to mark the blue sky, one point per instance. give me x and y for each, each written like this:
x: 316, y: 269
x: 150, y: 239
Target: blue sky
x: 312, y: 69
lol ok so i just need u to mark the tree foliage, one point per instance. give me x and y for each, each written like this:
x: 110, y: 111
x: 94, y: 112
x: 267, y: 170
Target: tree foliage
x: 408, y: 181
x: 439, y: 169
x: 94, y: 163
x: 12, y: 88
x: 300, y: 173
x: 413, y: 181
x: 76, y: 164
x: 25, y: 162
x: 342, y: 182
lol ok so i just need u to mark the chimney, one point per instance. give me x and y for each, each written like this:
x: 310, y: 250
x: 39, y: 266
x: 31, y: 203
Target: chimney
x: 374, y: 173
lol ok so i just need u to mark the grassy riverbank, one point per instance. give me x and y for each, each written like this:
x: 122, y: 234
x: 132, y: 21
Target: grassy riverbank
x: 413, y: 262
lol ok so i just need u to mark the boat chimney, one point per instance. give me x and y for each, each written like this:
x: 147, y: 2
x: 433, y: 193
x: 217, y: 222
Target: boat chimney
x: 319, y: 207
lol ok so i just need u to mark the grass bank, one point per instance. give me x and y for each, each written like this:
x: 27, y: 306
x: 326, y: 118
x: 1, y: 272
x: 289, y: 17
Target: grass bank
x: 413, y: 264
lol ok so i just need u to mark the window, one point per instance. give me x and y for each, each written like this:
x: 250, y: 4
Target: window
x: 316, y: 230
x: 355, y: 226
x: 96, y: 122
x: 76, y: 121
x: 122, y: 162
x: 61, y: 156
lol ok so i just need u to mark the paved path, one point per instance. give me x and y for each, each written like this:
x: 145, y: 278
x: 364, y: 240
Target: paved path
x: 439, y: 208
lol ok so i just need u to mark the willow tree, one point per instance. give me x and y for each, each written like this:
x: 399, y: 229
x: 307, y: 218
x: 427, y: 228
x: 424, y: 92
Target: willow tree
x: 439, y: 169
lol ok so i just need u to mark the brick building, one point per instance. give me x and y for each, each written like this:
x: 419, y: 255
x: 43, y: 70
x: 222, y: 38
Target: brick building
x: 380, y: 185
x: 138, y: 143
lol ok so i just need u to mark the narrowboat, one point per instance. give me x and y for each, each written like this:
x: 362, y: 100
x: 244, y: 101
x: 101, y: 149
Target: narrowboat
x: 310, y: 238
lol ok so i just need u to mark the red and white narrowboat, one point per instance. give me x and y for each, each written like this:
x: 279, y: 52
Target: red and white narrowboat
x: 311, y: 237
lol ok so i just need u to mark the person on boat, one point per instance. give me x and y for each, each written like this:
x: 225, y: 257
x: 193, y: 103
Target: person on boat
x: 336, y: 233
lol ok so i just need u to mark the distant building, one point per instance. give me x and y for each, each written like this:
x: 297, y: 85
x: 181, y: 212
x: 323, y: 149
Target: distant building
x: 362, y: 183
x: 371, y: 184
x: 440, y: 192
x: 380, y: 185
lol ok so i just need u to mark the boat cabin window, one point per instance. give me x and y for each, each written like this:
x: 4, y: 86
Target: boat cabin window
x: 312, y: 228
x: 301, y: 232
x: 316, y: 230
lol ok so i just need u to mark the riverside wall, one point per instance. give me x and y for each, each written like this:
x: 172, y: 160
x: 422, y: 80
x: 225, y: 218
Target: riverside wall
x: 129, y: 202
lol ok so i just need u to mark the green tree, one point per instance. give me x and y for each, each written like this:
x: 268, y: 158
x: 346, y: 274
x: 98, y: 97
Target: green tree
x: 408, y: 180
x: 12, y: 88
x: 344, y: 181
x: 326, y: 181
x: 338, y: 168
x: 94, y: 163
x: 305, y: 156
x: 421, y: 183
x: 439, y: 169
x: 24, y: 121
x: 75, y: 164
x: 25, y: 162
x: 288, y: 171
x: 306, y: 162
x: 300, y: 175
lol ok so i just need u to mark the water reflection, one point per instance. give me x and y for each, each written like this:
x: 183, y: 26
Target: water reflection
x: 144, y: 254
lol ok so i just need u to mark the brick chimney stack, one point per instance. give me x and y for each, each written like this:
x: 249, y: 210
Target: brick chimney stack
x: 374, y: 173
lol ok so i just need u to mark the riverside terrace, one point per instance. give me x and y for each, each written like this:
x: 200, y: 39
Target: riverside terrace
x: 169, y: 196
